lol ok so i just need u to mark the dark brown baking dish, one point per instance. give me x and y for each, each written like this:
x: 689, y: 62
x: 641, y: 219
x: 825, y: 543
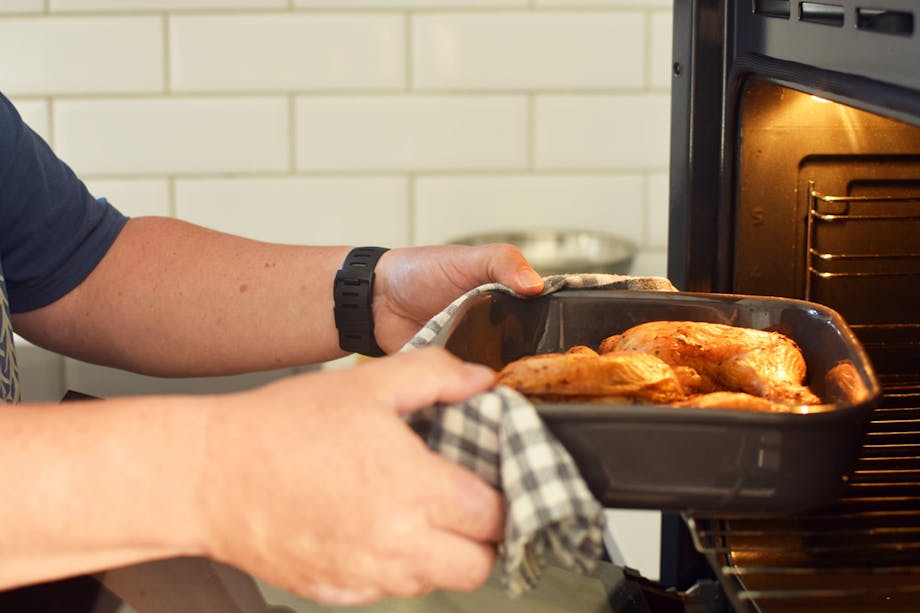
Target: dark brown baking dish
x: 702, y: 460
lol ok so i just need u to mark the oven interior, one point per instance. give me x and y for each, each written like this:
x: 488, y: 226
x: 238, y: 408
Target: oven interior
x: 828, y: 209
x: 796, y: 173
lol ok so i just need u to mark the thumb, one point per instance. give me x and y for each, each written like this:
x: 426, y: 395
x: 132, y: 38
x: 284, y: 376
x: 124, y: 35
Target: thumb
x: 506, y: 264
x: 418, y: 379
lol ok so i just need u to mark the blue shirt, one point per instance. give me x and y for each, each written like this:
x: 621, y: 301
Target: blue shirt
x: 53, y: 232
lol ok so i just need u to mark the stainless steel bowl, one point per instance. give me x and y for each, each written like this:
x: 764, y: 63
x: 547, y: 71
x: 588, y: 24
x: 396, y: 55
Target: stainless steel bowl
x: 554, y: 252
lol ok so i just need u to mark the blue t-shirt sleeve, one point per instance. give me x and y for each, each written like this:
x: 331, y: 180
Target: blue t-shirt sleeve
x: 53, y: 232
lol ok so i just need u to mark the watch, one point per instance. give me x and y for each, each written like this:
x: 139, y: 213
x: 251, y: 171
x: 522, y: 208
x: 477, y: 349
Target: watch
x: 353, y: 293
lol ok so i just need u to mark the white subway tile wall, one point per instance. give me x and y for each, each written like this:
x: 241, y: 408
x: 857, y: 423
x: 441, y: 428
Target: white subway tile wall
x: 81, y: 55
x: 624, y: 131
x: 134, y: 197
x: 410, y: 4
x: 22, y: 6
x: 173, y: 135
x: 161, y: 5
x: 287, y: 52
x: 411, y: 133
x: 549, y: 50
x: 312, y: 210
x: 452, y: 207
x: 395, y: 122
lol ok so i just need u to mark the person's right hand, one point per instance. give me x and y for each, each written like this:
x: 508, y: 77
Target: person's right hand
x: 316, y: 485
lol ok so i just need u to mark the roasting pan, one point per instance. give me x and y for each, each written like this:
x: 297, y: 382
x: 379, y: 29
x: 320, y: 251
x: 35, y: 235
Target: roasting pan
x: 706, y: 461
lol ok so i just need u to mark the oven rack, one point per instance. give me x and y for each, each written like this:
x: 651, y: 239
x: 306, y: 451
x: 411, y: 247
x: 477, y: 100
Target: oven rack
x: 841, y: 245
x: 860, y: 553
x: 862, y: 257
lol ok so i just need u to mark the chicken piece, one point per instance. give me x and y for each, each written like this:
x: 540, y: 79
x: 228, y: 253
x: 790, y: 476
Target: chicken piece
x: 581, y: 349
x: 845, y: 385
x: 735, y: 400
x: 758, y: 362
x: 693, y: 382
x: 587, y: 399
x: 579, y: 374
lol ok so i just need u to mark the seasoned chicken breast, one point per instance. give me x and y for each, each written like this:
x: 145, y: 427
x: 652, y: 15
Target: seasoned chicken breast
x: 758, y: 362
x: 582, y: 373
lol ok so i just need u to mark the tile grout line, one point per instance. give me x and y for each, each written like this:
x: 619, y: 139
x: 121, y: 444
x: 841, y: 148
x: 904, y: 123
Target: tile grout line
x: 409, y: 85
x: 292, y: 133
x: 327, y: 10
x: 374, y: 92
x: 171, y: 204
x: 364, y: 173
x: 531, y: 133
x: 647, y: 208
x: 648, y: 72
x: 411, y: 196
x: 49, y: 115
x: 167, y: 64
x: 409, y: 77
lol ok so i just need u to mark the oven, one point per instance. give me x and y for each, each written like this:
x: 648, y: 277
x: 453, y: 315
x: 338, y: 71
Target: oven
x: 795, y: 172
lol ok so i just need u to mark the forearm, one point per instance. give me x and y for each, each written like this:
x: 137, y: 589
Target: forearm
x: 172, y: 298
x: 98, y: 485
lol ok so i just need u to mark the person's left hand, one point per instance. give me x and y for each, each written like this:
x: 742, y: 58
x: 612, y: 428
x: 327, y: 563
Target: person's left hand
x: 413, y: 285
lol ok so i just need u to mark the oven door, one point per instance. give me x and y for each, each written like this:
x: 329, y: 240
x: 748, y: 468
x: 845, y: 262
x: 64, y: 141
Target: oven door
x: 795, y: 171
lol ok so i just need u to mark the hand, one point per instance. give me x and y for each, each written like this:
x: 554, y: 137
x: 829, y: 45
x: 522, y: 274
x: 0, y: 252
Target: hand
x: 316, y: 485
x: 414, y: 284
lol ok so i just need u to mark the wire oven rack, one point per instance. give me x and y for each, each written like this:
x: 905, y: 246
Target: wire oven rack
x: 861, y: 250
x: 863, y: 259
x: 861, y: 553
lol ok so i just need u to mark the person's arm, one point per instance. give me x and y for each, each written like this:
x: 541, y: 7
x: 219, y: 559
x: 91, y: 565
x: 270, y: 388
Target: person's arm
x: 90, y: 486
x: 171, y: 298
x: 313, y: 483
x: 174, y: 299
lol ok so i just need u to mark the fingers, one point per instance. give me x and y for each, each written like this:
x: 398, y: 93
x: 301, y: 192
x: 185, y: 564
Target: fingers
x: 466, y: 505
x: 430, y: 560
x: 453, y: 563
x: 343, y: 597
x: 462, y: 503
x: 418, y: 379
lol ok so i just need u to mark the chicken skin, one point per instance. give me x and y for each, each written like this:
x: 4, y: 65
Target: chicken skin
x: 735, y: 400
x: 581, y: 375
x: 761, y: 363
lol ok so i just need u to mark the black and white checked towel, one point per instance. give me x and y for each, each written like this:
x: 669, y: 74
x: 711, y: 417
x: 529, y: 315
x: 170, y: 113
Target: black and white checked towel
x: 500, y: 437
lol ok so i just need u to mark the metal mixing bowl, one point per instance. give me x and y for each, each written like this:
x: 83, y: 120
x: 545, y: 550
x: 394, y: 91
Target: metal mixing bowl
x: 554, y: 252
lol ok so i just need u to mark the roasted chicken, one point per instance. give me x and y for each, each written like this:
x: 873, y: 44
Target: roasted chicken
x: 761, y: 363
x: 682, y: 363
x: 733, y: 400
x: 584, y: 374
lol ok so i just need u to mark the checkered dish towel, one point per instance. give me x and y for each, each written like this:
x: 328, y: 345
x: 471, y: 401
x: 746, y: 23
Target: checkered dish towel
x: 500, y: 437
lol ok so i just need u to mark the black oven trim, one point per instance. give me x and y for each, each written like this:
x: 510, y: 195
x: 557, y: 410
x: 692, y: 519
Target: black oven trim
x: 846, y: 46
x: 878, y: 97
x: 696, y: 142
x: 710, y: 67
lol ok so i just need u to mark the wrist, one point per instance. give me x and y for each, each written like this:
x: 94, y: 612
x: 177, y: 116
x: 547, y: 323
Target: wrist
x: 171, y: 446
x: 353, y: 295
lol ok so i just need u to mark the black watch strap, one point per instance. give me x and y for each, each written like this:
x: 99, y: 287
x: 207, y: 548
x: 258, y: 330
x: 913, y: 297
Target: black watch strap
x: 353, y: 293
